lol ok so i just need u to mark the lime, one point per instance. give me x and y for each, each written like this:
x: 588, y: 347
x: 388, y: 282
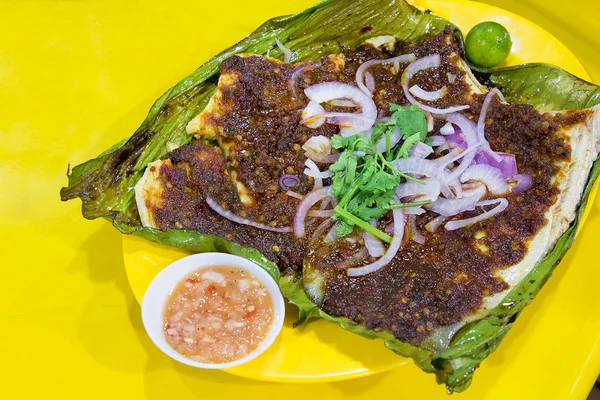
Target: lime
x: 488, y: 44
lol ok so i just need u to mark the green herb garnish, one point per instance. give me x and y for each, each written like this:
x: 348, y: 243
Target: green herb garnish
x: 365, y: 184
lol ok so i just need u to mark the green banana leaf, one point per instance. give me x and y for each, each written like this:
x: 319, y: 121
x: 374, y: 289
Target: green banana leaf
x: 105, y: 183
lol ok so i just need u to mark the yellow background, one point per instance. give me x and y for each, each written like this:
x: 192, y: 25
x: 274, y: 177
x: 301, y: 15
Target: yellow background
x: 75, y: 77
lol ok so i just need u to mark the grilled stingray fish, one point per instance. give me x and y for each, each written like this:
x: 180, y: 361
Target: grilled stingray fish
x: 208, y: 160
x: 430, y: 290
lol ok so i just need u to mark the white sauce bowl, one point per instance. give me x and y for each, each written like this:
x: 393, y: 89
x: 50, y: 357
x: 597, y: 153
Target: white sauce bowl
x: 159, y: 290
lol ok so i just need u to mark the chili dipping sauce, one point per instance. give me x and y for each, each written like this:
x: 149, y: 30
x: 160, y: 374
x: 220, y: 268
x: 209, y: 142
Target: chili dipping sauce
x: 217, y: 315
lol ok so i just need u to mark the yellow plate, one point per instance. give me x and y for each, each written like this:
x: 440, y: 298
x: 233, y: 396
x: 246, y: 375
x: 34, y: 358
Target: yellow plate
x: 321, y: 351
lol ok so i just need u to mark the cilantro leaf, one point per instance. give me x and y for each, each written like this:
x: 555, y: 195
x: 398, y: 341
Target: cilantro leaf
x: 365, y: 184
x: 411, y: 120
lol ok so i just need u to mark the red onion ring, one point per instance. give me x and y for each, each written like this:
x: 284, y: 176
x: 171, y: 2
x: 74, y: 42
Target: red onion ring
x: 355, y: 259
x: 429, y: 191
x: 491, y: 177
x: 309, y: 200
x: 432, y: 61
x: 416, y: 166
x: 295, y: 195
x: 420, y: 150
x: 373, y: 245
x: 451, y: 207
x: 332, y: 234
x: 414, y: 231
x: 321, y: 175
x: 288, y: 181
x: 523, y: 182
x: 481, y: 124
x: 461, y: 223
x: 321, y: 213
x: 361, y: 71
x: 370, y: 82
x: 507, y: 163
x: 433, y: 225
x: 320, y: 229
x: 391, y: 250
x: 417, y: 91
x: 322, y: 92
x: 234, y: 218
x: 294, y: 75
x: 316, y: 172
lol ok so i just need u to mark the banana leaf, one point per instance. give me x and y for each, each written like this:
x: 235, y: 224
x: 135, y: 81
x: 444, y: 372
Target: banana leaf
x: 105, y: 183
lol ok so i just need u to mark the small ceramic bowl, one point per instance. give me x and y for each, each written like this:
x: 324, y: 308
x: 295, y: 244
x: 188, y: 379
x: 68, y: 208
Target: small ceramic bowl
x: 160, y: 288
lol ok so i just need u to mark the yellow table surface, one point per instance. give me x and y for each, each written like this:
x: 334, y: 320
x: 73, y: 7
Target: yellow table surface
x: 76, y: 76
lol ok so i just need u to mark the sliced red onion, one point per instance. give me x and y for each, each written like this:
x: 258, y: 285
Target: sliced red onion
x: 416, y: 166
x: 451, y: 77
x: 447, y: 129
x: 432, y: 61
x: 481, y: 124
x: 288, y: 181
x: 502, y: 203
x: 342, y: 103
x: 373, y: 244
x: 489, y: 176
x: 446, y: 178
x: 437, y: 140
x: 305, y: 205
x: 287, y: 53
x: 470, y: 135
x: 451, y: 207
x: 370, y: 82
x: 321, y: 213
x: 507, y: 163
x: 320, y: 229
x: 312, y: 115
x: 355, y: 259
x: 454, y: 150
x: 417, y: 91
x: 395, y: 137
x: 523, y: 182
x: 322, y: 92
x: 433, y: 225
x: 457, y: 188
x: 332, y: 234
x: 237, y: 219
x: 361, y: 72
x: 321, y: 175
x: 391, y: 250
x: 297, y: 71
x: 417, y: 191
x: 430, y: 121
x: 324, y: 159
x: 420, y: 150
x: 413, y: 210
x: 458, y: 139
x: 414, y: 230
x: 295, y: 195
x: 316, y: 172
x: 355, y: 122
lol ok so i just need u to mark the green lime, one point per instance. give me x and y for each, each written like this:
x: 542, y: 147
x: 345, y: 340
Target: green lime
x: 488, y: 44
